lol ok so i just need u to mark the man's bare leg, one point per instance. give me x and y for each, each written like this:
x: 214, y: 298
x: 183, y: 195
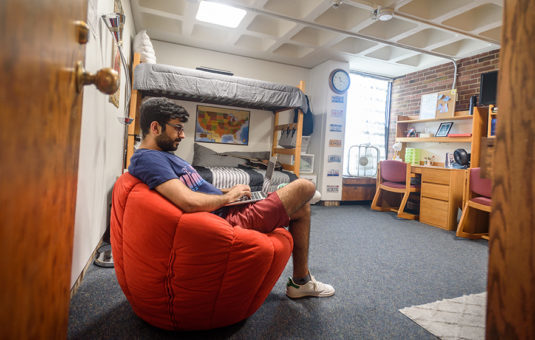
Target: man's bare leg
x: 295, y: 197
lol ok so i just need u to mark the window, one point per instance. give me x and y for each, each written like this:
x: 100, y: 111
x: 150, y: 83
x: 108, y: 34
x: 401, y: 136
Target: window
x: 368, y: 103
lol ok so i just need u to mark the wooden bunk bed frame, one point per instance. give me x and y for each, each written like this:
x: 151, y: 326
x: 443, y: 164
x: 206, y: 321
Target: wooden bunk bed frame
x: 134, y: 129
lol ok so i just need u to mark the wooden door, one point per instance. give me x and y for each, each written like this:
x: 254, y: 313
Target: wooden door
x: 40, y: 117
x: 511, y: 275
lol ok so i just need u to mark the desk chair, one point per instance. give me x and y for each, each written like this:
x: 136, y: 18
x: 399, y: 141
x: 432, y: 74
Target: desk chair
x: 477, y: 198
x: 394, y: 176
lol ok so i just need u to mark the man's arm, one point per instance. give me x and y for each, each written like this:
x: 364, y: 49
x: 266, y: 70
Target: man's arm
x: 191, y: 201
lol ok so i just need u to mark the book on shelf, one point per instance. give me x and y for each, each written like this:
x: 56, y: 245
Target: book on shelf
x: 459, y: 135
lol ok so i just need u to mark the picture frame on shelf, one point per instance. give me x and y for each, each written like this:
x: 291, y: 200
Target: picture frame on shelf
x: 443, y: 129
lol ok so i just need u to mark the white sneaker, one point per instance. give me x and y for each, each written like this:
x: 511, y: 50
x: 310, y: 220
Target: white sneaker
x: 316, y: 198
x: 311, y: 288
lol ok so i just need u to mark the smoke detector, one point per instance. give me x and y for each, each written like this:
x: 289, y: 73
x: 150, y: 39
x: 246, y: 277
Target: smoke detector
x: 383, y: 14
x: 336, y: 3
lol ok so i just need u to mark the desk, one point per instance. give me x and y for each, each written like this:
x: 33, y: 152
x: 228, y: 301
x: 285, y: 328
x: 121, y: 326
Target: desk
x: 441, y: 195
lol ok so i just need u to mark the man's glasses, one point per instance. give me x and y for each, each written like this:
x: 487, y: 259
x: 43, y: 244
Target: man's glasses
x: 178, y: 128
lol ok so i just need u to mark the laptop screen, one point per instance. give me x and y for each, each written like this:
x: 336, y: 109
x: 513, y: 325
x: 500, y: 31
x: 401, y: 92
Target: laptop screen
x: 269, y: 173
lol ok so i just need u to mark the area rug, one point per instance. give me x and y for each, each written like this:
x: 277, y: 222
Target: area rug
x: 458, y: 318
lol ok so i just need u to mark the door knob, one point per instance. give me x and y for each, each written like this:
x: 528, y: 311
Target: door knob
x: 106, y: 79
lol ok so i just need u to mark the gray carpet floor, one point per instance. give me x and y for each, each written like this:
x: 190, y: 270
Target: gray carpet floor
x: 376, y: 262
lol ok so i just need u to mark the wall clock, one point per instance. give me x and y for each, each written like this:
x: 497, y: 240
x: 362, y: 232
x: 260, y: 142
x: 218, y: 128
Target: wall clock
x: 339, y: 81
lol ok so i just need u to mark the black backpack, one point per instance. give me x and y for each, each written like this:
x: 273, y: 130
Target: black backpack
x: 308, y: 120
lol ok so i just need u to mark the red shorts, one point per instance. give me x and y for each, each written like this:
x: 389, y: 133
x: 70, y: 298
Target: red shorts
x: 263, y: 216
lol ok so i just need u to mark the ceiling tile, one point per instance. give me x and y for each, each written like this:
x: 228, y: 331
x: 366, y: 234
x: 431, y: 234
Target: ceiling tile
x: 461, y: 48
x: 270, y: 26
x: 153, y: 22
x: 431, y: 9
x: 388, y: 29
x: 426, y: 37
x: 294, y: 51
x: 345, y: 17
x: 254, y: 43
x: 313, y: 36
x: 294, y: 8
x: 354, y: 45
x: 173, y: 7
x: 475, y: 18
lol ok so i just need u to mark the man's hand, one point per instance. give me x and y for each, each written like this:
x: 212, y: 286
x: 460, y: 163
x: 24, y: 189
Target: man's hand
x: 191, y: 201
x: 237, y: 191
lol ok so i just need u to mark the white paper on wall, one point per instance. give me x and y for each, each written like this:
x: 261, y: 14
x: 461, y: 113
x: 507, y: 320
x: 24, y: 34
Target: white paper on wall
x: 428, y: 105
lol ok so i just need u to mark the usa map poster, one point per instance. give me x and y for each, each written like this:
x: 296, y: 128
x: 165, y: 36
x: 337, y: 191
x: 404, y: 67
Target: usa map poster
x: 222, y: 125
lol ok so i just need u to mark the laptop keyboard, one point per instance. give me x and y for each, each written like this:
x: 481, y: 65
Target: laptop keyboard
x: 255, y: 196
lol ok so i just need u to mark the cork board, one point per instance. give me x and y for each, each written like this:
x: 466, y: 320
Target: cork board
x: 446, y: 104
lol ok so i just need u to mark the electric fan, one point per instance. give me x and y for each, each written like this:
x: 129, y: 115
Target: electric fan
x: 462, y: 158
x: 364, y: 162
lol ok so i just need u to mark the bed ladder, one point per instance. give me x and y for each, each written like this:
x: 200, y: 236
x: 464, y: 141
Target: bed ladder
x: 295, y: 152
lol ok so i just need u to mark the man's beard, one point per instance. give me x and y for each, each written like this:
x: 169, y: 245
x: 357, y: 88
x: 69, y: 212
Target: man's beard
x: 165, y: 143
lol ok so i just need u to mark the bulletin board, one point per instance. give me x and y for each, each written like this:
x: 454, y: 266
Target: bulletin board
x: 438, y: 104
x: 446, y: 104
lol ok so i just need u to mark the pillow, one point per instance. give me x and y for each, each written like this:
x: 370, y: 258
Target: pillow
x: 143, y: 46
x: 206, y: 157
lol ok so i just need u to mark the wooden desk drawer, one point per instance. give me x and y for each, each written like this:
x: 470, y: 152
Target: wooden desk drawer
x: 436, y: 176
x: 438, y: 191
x: 434, y: 212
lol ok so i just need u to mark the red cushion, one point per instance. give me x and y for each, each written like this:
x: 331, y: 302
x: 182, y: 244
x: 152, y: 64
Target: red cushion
x: 478, y: 185
x: 394, y: 185
x: 189, y: 271
x: 393, y: 171
x: 482, y: 200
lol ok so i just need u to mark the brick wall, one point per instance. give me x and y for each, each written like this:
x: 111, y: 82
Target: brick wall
x: 407, y: 90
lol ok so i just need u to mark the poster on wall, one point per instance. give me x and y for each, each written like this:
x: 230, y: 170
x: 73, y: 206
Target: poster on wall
x: 222, y: 125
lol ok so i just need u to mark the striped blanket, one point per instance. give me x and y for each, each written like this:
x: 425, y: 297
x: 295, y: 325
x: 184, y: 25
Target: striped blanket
x: 226, y: 177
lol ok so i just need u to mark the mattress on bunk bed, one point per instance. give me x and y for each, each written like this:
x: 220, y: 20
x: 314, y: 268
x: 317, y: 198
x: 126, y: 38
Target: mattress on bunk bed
x: 227, y: 177
x: 206, y: 87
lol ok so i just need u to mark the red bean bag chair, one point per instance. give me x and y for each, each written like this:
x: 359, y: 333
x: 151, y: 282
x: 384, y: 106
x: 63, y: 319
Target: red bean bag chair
x: 189, y: 271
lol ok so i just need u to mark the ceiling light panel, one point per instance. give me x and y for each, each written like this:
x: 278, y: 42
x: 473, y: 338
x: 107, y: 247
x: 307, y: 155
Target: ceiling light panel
x: 220, y: 14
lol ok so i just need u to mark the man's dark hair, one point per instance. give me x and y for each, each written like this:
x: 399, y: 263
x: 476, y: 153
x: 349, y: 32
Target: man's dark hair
x: 161, y: 110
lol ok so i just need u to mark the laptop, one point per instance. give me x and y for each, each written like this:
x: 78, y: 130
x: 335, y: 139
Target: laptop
x: 259, y: 195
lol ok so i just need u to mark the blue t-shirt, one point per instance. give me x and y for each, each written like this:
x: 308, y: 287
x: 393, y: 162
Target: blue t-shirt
x: 155, y: 167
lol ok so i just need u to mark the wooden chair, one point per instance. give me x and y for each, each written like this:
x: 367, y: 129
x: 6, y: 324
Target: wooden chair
x: 394, y: 176
x: 477, y: 206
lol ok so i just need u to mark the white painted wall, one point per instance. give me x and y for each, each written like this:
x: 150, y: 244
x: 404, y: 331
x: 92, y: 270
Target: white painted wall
x: 260, y: 132
x: 102, y: 138
x: 321, y: 104
x: 191, y: 57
